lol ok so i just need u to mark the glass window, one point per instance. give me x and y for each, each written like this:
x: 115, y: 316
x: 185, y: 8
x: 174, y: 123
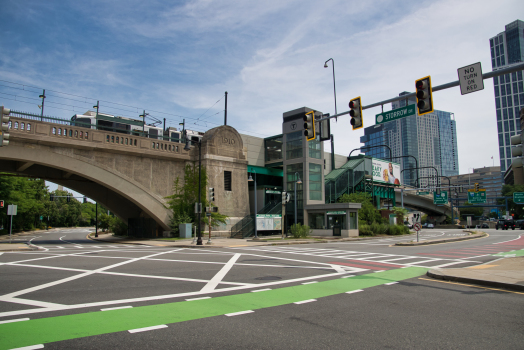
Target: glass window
x: 491, y: 42
x: 506, y: 77
x: 501, y: 139
x: 496, y: 41
x: 498, y: 52
x: 499, y: 115
x: 498, y: 61
x: 315, y: 182
x: 227, y: 181
x: 314, y: 148
x: 294, y: 145
x: 508, y: 151
x: 510, y: 113
x: 511, y: 125
x: 496, y: 91
x: 273, y: 148
x: 492, y: 53
x: 493, y: 63
x: 509, y: 101
x: 515, y: 89
x: 352, y: 221
x: 500, y: 39
x: 501, y: 152
x: 316, y: 221
x: 519, y: 74
x: 514, y: 76
x: 496, y: 80
x: 503, y: 90
x: 502, y: 60
x: 508, y: 89
x: 521, y: 87
x: 521, y: 99
x: 504, y: 104
x: 499, y: 127
x: 293, y: 173
x: 497, y: 102
x: 337, y: 220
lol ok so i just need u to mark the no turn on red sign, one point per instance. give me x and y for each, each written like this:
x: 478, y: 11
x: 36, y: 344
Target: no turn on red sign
x: 470, y: 78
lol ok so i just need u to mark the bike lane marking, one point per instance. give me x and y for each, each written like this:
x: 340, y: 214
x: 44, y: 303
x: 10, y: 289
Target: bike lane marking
x: 53, y: 329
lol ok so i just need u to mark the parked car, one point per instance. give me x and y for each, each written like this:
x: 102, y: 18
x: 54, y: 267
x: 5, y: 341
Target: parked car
x: 431, y: 226
x: 425, y: 225
x: 484, y: 225
x: 505, y: 224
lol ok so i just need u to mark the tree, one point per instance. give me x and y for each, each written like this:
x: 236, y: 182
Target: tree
x: 517, y: 209
x: 367, y: 213
x: 401, y: 214
x: 473, y: 211
x: 184, y: 197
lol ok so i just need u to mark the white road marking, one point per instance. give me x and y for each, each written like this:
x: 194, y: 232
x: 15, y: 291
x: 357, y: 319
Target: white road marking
x: 239, y: 313
x: 355, y: 291
x: 390, y: 283
x: 117, y: 308
x: 211, y: 285
x: 15, y: 320
x: 260, y: 290
x: 348, y: 276
x: 31, y: 347
x: 198, y: 298
x: 42, y: 304
x: 305, y: 301
x: 310, y: 282
x: 145, y: 329
x: 67, y: 279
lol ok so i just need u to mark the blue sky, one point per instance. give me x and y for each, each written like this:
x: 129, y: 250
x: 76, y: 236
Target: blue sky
x: 175, y: 59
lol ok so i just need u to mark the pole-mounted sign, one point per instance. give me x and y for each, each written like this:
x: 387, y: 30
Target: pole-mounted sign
x: 470, y: 78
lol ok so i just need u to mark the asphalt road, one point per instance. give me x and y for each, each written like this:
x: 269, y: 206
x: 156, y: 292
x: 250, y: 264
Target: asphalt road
x: 77, y: 293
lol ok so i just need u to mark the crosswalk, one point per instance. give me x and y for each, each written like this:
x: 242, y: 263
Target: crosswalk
x: 366, y: 260
x: 481, y: 250
x: 89, y: 246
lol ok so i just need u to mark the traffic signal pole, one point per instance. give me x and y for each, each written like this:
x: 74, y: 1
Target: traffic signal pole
x: 485, y: 76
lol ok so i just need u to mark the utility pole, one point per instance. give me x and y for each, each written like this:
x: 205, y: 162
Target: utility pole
x: 225, y: 112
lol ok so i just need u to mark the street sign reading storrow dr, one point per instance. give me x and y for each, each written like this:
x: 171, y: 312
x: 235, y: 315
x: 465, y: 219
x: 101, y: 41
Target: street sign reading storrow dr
x: 441, y: 198
x: 395, y: 114
x: 518, y: 197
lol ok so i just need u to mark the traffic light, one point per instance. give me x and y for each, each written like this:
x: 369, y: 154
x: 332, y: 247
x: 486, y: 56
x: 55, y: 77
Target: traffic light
x: 4, y: 130
x: 51, y: 197
x: 424, y: 95
x: 211, y: 194
x: 476, y: 187
x: 85, y: 199
x: 356, y: 113
x: 68, y: 198
x: 1, y: 203
x: 309, y: 126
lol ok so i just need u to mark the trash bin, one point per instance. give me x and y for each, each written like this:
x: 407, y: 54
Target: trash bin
x: 185, y: 230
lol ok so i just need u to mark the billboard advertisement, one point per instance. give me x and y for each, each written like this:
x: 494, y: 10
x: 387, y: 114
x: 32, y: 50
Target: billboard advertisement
x: 386, y: 172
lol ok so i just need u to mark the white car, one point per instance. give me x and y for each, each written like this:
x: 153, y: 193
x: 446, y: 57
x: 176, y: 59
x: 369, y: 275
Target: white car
x: 431, y: 226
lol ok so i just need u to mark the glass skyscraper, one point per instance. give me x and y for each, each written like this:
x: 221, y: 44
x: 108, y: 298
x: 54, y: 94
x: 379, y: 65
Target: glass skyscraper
x: 431, y: 138
x: 507, y: 49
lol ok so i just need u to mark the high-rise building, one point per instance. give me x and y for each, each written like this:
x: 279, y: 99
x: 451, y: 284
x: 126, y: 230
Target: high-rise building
x: 507, y: 49
x: 430, y: 138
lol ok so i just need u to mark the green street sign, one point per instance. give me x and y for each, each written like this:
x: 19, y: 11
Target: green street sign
x: 395, y: 114
x: 423, y: 193
x: 518, y: 197
x: 441, y: 198
x: 272, y: 191
x: 477, y: 197
x: 336, y: 212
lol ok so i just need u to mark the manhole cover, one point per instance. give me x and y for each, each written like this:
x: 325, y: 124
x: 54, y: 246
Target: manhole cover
x: 269, y: 278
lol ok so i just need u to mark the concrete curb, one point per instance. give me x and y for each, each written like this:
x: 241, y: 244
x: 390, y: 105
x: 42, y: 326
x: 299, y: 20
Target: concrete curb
x: 443, y: 240
x: 487, y: 283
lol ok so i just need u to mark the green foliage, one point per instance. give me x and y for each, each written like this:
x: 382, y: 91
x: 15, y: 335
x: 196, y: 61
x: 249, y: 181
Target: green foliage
x: 382, y: 229
x: 182, y: 201
x: 517, y: 209
x: 400, y: 214
x: 299, y: 230
x: 368, y: 214
x: 475, y: 211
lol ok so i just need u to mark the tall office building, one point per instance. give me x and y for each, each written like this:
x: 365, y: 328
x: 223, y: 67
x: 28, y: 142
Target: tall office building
x: 507, y: 49
x: 431, y: 138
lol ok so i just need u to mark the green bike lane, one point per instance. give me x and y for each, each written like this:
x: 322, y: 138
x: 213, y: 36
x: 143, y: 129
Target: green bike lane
x: 54, y: 329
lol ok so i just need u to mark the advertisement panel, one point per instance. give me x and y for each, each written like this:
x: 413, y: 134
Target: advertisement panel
x: 386, y: 172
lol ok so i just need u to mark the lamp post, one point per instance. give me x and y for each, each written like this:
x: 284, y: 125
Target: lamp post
x: 251, y: 179
x: 296, y: 182
x: 334, y: 88
x: 42, y: 113
x: 198, y: 206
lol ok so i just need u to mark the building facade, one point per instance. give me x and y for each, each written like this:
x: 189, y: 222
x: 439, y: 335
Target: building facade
x: 507, y: 49
x: 430, y: 138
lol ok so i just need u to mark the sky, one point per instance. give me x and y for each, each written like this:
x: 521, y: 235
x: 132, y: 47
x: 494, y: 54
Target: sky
x: 176, y: 59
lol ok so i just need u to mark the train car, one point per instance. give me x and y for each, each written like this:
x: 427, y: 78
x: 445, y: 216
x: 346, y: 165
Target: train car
x: 173, y: 135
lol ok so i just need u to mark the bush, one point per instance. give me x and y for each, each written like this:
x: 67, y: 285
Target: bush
x: 299, y: 230
x: 118, y: 227
x: 179, y: 218
x: 365, y: 230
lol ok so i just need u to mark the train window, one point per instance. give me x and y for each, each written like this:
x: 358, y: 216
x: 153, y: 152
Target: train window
x: 54, y: 129
x: 227, y: 181
x: 28, y: 126
x: 59, y: 131
x: 22, y: 126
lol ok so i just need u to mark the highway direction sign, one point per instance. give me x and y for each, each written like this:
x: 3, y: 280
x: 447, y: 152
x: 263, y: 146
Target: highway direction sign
x: 441, y: 198
x: 470, y: 78
x: 518, y: 197
x: 395, y: 114
x: 477, y: 197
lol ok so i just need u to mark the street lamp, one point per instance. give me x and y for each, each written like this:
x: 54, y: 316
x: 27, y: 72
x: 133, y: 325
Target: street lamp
x: 296, y: 182
x: 251, y: 179
x: 42, y: 113
x: 334, y: 88
x: 198, y: 205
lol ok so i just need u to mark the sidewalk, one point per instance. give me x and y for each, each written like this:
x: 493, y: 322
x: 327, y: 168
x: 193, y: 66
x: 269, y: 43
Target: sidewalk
x: 222, y: 242
x: 507, y: 273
